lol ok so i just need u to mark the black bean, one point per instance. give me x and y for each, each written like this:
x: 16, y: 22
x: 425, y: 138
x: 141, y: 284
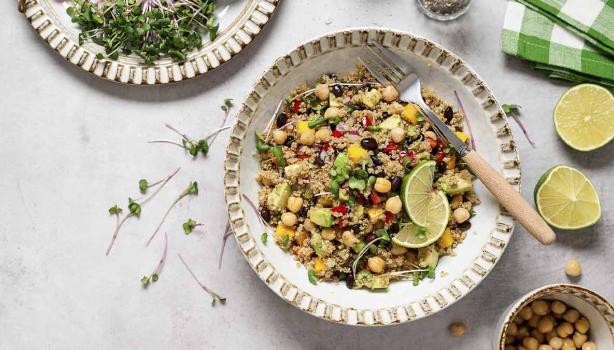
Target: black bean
x: 349, y: 281
x: 282, y: 119
x: 370, y: 237
x: 396, y: 183
x: 376, y: 161
x: 442, y: 167
x: 358, y: 107
x: 356, y: 228
x: 394, y: 228
x: 303, y: 212
x: 385, y: 114
x: 289, y: 141
x: 360, y: 199
x: 337, y: 91
x: 265, y: 213
x: 448, y: 113
x: 319, y: 161
x: 368, y: 143
x: 465, y: 225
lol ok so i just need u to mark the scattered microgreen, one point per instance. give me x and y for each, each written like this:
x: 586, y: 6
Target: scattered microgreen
x: 193, y: 147
x: 316, y: 122
x: 362, y: 252
x: 510, y: 108
x: 467, y: 121
x: 358, y: 184
x: 374, y: 128
x: 420, y: 275
x: 189, y: 226
x: 312, y: 277
x: 192, y: 189
x: 144, y: 185
x: 420, y: 232
x: 279, y: 155
x: 285, y: 242
x: 383, y: 234
x: 513, y: 111
x: 216, y: 297
x: 264, y: 237
x: 471, y: 212
x: 227, y: 234
x: 150, y: 29
x: 134, y: 207
x: 227, y: 105
x: 261, y: 145
x: 156, y: 273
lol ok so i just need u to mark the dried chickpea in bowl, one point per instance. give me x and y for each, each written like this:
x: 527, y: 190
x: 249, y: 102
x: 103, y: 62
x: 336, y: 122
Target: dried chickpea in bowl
x: 557, y: 317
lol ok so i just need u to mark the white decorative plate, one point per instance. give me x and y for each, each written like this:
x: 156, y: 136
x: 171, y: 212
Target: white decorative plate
x: 240, y: 21
x: 491, y: 229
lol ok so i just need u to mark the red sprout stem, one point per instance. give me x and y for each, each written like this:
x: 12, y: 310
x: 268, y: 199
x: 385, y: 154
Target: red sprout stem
x: 524, y: 130
x: 460, y: 103
x: 227, y: 234
x: 251, y: 204
x: 179, y: 133
x: 163, y: 258
x: 214, y: 295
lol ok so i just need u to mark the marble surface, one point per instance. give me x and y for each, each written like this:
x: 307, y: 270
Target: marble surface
x: 71, y: 145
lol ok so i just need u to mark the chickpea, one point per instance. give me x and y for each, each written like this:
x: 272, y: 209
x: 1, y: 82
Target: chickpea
x: 571, y: 315
x: 397, y: 135
x: 579, y: 339
x: 564, y: 330
x: 349, y: 239
x: 280, y: 137
x: 308, y: 225
x: 545, y: 325
x: 376, y: 264
x: 539, y: 336
x: 456, y: 201
x: 295, y: 204
x: 558, y: 307
x: 509, y: 347
x: 556, y: 343
x: 573, y: 268
x: 322, y: 91
x: 533, y: 321
x: 510, y: 339
x: 332, y: 112
x: 551, y: 335
x: 460, y: 215
x: 395, y: 108
x: 523, y: 332
x: 398, y: 250
x: 568, y: 344
x: 589, y: 345
x: 323, y: 135
x: 394, y: 205
x: 540, y: 307
x: 288, y: 219
x: 328, y: 234
x: 390, y: 94
x: 530, y: 343
x: 430, y: 135
x: 512, y: 329
x: 382, y: 185
x: 457, y: 329
x: 307, y: 137
x: 544, y: 347
x: 582, y: 325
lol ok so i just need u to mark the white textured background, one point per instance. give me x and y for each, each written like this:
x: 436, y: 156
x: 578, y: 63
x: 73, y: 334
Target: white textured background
x: 71, y: 145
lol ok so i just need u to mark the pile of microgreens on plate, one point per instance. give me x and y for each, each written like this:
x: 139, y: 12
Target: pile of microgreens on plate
x: 149, y: 29
x: 134, y: 207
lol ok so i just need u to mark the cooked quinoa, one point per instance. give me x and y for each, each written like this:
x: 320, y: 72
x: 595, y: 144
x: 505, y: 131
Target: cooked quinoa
x: 332, y: 164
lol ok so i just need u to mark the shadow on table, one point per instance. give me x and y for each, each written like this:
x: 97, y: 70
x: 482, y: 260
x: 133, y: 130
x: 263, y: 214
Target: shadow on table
x: 173, y: 91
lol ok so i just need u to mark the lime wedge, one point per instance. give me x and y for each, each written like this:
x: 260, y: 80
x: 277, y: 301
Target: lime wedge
x: 413, y: 236
x: 417, y: 192
x: 584, y: 117
x: 566, y: 198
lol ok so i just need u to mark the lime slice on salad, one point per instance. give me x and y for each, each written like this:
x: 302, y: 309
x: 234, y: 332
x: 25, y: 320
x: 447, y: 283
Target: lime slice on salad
x: 417, y: 192
x: 414, y: 236
x: 584, y: 117
x: 566, y: 198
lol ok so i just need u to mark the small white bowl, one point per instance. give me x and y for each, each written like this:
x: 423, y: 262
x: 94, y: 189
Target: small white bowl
x: 591, y: 305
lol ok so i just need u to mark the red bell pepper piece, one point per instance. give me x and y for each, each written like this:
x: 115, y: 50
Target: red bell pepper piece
x: 375, y: 199
x: 296, y: 105
x: 391, y: 146
x: 366, y: 121
x: 389, y: 217
x: 337, y: 134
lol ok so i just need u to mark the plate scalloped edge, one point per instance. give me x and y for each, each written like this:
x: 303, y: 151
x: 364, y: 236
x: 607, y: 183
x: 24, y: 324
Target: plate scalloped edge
x: 490, y: 252
x: 229, y: 43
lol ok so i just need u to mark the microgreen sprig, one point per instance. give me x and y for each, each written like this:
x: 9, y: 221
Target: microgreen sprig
x: 144, y: 185
x: 216, y: 297
x: 190, y: 225
x: 513, y: 111
x: 227, y: 233
x: 193, y: 147
x: 192, y: 189
x: 154, y: 276
x: 134, y: 208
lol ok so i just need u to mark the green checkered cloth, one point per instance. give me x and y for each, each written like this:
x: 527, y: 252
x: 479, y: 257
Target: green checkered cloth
x: 530, y: 32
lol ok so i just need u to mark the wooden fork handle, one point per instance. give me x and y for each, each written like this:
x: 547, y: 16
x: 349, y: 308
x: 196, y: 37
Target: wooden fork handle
x: 510, y: 199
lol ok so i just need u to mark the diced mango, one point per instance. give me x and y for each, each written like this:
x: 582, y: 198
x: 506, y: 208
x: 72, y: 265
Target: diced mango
x: 446, y: 240
x: 356, y: 153
x: 410, y: 114
x: 302, y: 126
x: 375, y: 214
x: 318, y: 266
x: 282, y: 231
x: 462, y: 136
x: 301, y: 237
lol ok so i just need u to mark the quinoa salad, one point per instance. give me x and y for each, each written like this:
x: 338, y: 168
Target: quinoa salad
x: 333, y: 165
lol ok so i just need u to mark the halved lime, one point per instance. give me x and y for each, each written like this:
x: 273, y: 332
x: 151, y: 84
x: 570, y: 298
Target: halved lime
x: 566, y: 198
x: 584, y: 117
x: 417, y: 192
x: 414, y: 236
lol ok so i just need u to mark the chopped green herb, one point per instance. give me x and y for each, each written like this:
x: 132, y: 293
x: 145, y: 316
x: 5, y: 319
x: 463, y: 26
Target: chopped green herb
x: 316, y: 122
x: 227, y: 105
x: 264, y: 237
x: 261, y: 145
x: 279, y: 154
x: 318, y: 248
x: 374, y: 128
x: 358, y: 184
x: 285, y: 242
x: 383, y: 233
x: 312, y: 277
x: 510, y: 108
x: 334, y: 188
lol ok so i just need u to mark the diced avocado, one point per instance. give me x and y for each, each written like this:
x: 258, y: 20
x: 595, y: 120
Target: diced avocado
x: 455, y: 183
x: 333, y: 101
x: 344, y: 195
x: 278, y: 198
x: 321, y: 216
x: 358, y: 212
x: 428, y: 257
x: 365, y: 278
x: 342, y: 160
x: 394, y: 121
x: 371, y: 98
x: 292, y: 170
x: 380, y: 282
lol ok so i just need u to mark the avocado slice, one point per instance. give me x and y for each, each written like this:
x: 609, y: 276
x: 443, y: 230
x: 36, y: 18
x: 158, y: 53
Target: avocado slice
x: 428, y: 257
x: 454, y: 184
x: 278, y: 198
x: 394, y: 121
x: 333, y: 101
x: 321, y: 216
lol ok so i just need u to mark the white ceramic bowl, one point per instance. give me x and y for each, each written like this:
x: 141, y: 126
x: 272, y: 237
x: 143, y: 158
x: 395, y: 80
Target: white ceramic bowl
x: 491, y: 229
x: 591, y: 305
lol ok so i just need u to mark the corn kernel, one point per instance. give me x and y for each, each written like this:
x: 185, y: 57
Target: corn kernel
x: 410, y: 113
x: 356, y: 153
x: 446, y: 239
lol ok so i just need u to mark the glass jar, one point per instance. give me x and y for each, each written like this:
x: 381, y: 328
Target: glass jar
x: 444, y: 10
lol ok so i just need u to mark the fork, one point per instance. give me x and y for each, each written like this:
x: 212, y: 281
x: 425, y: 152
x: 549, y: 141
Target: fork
x: 391, y: 69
